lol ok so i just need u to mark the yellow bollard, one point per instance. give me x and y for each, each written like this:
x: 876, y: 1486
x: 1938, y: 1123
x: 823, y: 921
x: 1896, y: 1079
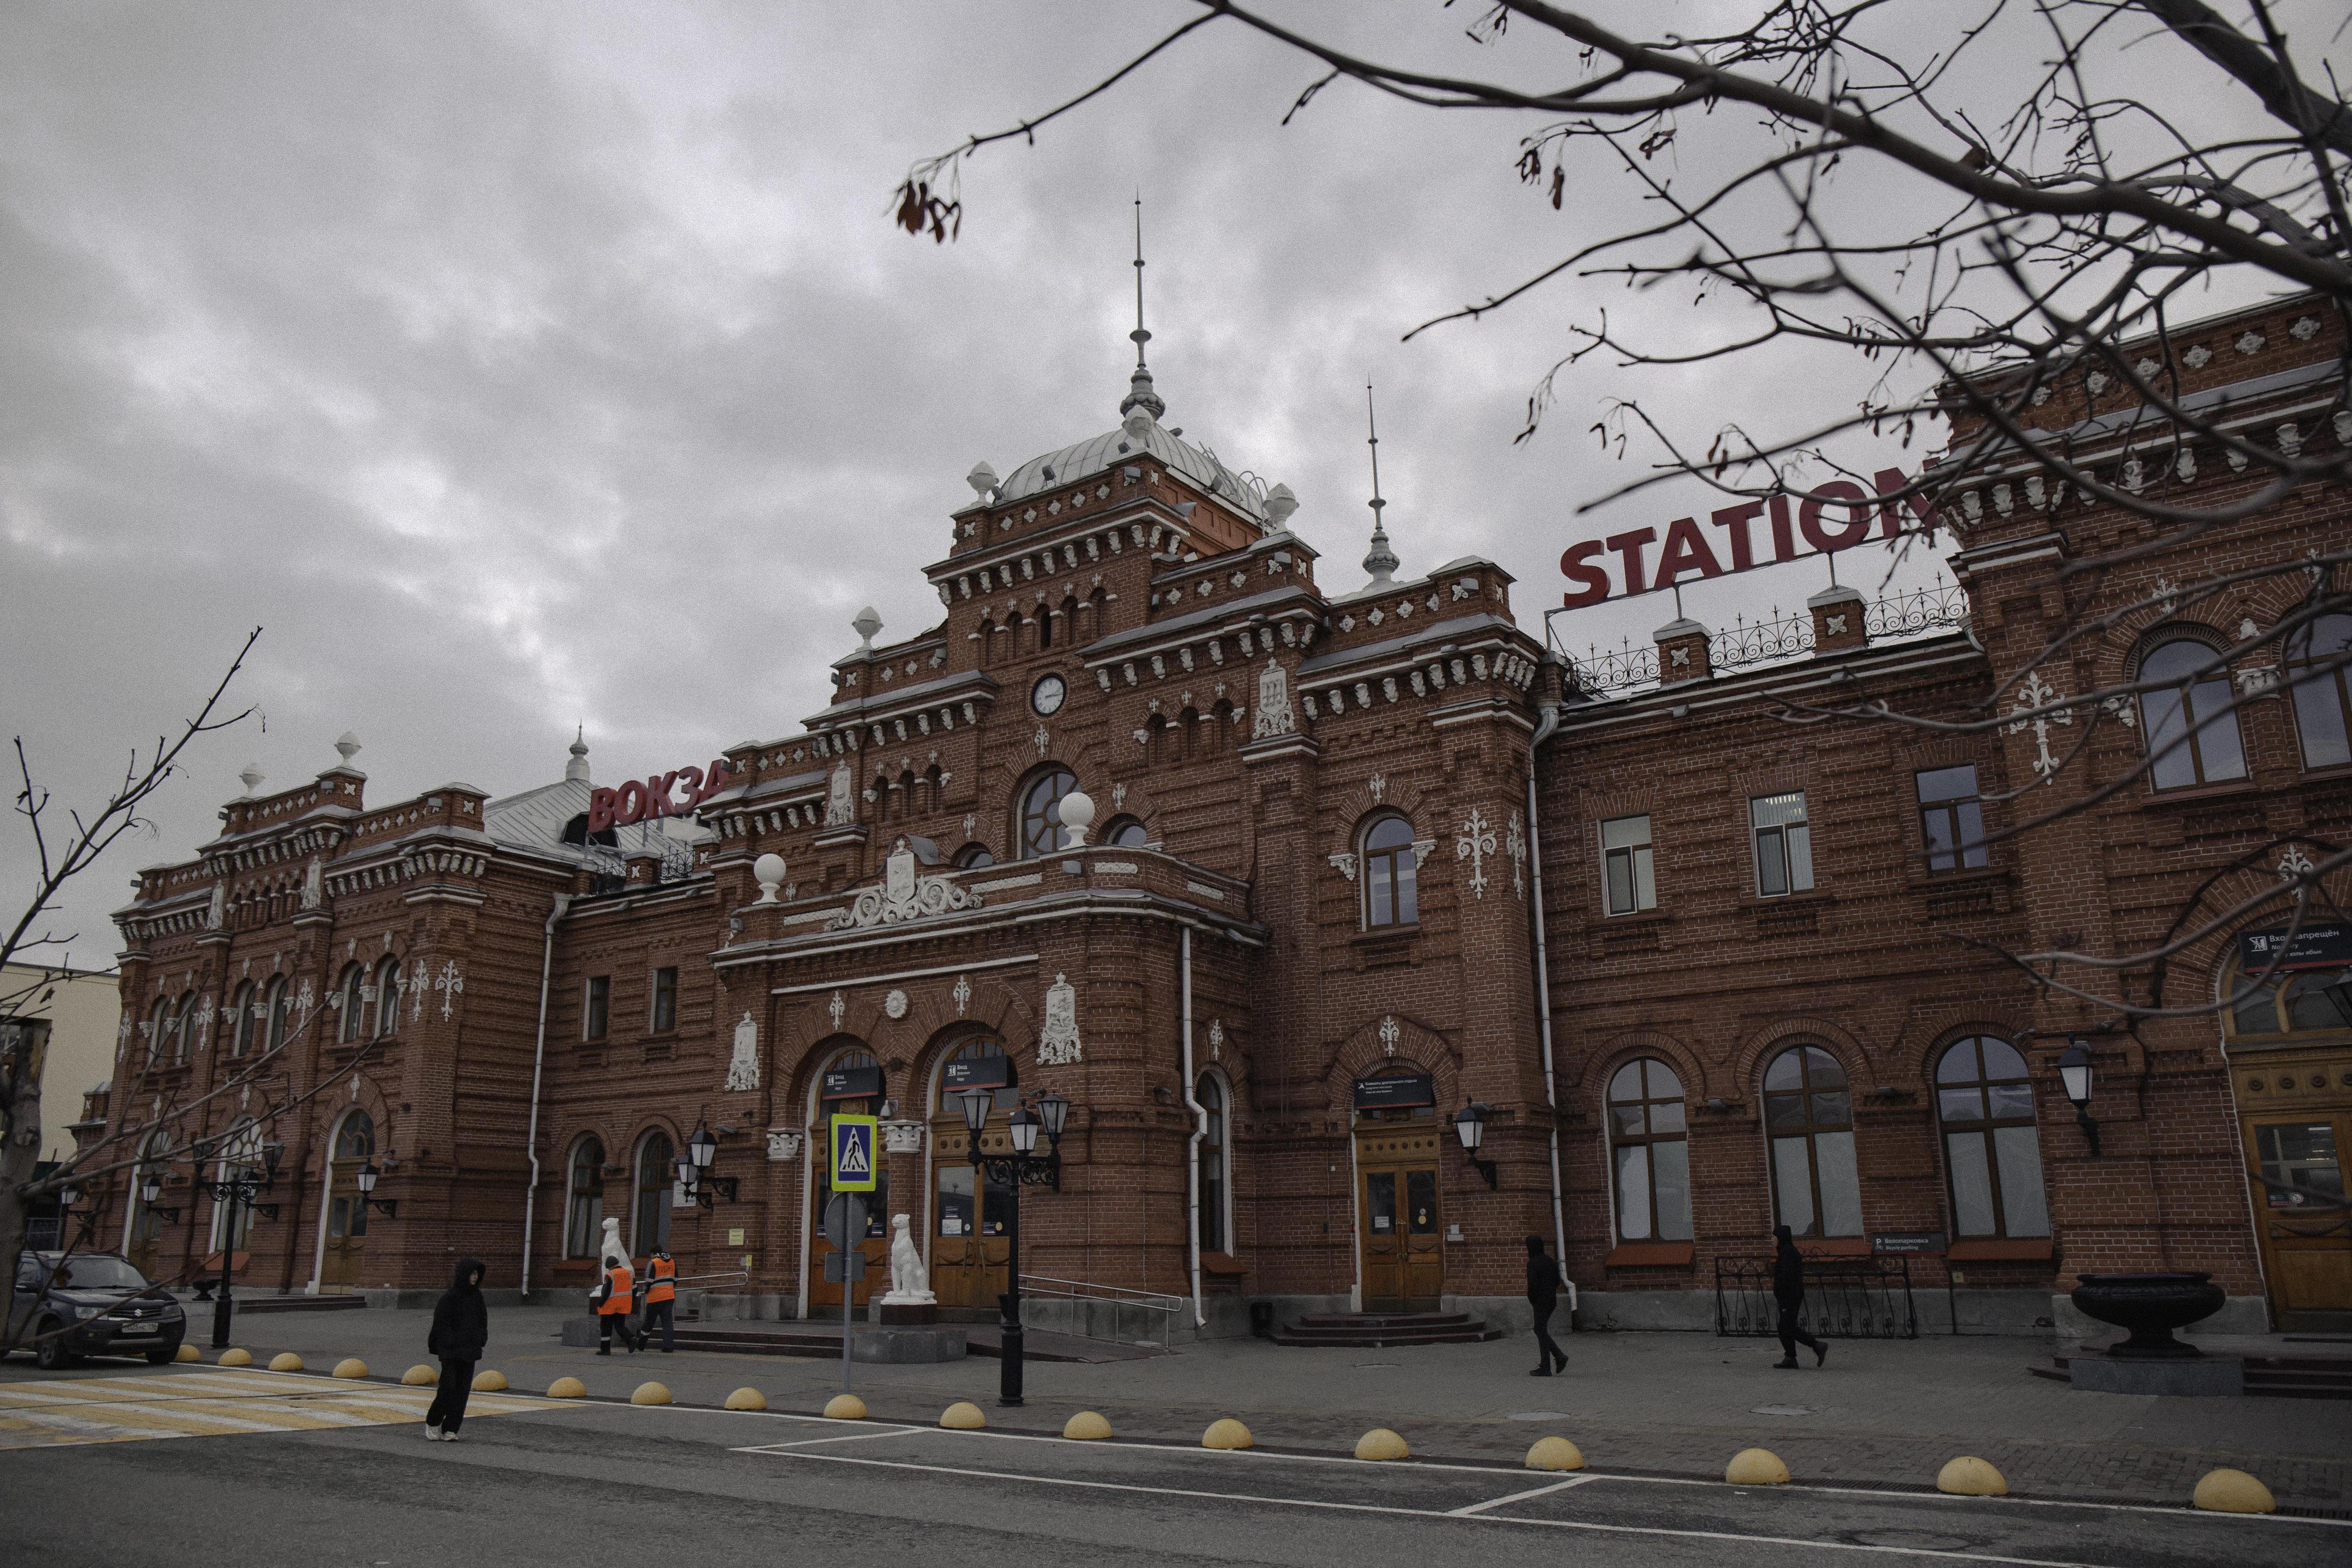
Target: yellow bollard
x: 1756, y: 1468
x: 650, y: 1393
x: 2234, y: 1492
x: 962, y: 1415
x: 567, y: 1388
x: 235, y: 1358
x: 285, y: 1361
x: 1086, y: 1427
x: 420, y: 1376
x: 1226, y: 1433
x: 747, y: 1399
x: 845, y: 1408
x: 489, y: 1380
x: 189, y: 1353
x: 1380, y: 1443
x: 1555, y: 1454
x: 1969, y: 1476
x: 350, y: 1366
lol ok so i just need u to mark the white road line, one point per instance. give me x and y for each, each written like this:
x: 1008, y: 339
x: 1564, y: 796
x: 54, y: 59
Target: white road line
x: 2171, y: 1510
x: 840, y: 1438
x: 1519, y: 1497
x: 1813, y: 1544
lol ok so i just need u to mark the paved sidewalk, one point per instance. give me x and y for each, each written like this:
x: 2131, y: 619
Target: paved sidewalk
x: 1880, y: 1413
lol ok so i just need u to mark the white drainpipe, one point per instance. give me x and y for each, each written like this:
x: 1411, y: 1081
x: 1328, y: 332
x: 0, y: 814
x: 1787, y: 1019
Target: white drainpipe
x: 538, y: 1061
x: 1192, y: 1144
x: 1544, y: 728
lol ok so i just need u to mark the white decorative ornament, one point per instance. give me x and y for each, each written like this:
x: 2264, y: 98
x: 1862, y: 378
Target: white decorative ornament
x: 451, y: 985
x: 2304, y: 330
x: 2147, y: 368
x: 2290, y: 439
x: 2294, y: 864
x: 2198, y: 357
x: 218, y: 910
x: 2096, y: 380
x: 2034, y: 693
x: 1274, y: 715
x: 841, y: 800
x: 902, y: 1137
x: 314, y: 886
x: 1379, y: 786
x: 784, y: 1144
x: 2251, y: 343
x: 1390, y: 1032
x: 1515, y: 844
x: 1474, y: 843
x: 416, y: 988
x: 1058, y: 1042
x: 1216, y: 1040
x: 963, y: 993
x: 1420, y: 848
x: 905, y: 895
x: 836, y: 1007
x: 894, y: 1004
x: 743, y: 1066
x: 1344, y: 864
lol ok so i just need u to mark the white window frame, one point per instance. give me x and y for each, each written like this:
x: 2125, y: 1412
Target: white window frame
x: 1642, y: 879
x: 1788, y: 843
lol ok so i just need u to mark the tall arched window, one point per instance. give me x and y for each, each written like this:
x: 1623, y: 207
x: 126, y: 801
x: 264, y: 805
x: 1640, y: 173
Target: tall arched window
x: 354, y: 1025
x: 191, y: 1020
x: 241, y: 1012
x: 961, y: 1211
x: 1125, y: 833
x: 1042, y: 832
x: 277, y: 1019
x: 1650, y: 1151
x: 159, y: 1020
x: 2319, y: 666
x: 387, y: 997
x: 2191, y: 723
x: 1993, y: 1152
x: 2284, y: 1002
x: 583, y: 1211
x: 145, y: 1236
x: 1391, y: 896
x: 1809, y: 1116
x: 656, y: 1173
x: 1211, y: 1094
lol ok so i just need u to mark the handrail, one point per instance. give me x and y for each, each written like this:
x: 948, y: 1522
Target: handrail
x: 1115, y: 1296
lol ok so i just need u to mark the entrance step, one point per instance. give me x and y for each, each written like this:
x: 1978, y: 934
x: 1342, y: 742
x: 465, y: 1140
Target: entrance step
x: 2267, y: 1376
x: 1373, y: 1330
x: 245, y: 1303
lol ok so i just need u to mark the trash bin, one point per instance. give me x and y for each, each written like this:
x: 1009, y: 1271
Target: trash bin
x: 1262, y: 1318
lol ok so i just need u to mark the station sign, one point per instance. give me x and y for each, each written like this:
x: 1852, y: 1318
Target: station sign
x: 976, y: 1073
x: 642, y: 800
x: 2317, y: 945
x: 1839, y: 515
x: 1909, y: 1243
x: 851, y: 1083
x: 850, y: 1142
x: 1396, y: 1093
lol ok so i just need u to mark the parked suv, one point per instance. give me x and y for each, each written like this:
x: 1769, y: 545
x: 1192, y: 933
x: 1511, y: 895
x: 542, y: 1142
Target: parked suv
x: 86, y: 1296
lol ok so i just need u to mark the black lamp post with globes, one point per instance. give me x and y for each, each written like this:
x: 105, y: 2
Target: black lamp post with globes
x: 1024, y: 1168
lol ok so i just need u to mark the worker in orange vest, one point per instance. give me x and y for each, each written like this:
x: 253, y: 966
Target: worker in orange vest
x: 661, y: 1298
x: 614, y: 1294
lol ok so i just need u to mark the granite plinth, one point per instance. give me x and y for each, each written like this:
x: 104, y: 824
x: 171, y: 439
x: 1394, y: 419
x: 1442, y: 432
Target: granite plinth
x: 2191, y: 1376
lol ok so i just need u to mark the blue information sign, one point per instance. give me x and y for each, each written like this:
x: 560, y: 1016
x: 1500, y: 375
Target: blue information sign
x: 853, y: 1142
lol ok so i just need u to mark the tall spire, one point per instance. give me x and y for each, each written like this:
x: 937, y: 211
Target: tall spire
x: 577, y: 768
x: 1138, y: 387
x: 1382, y: 562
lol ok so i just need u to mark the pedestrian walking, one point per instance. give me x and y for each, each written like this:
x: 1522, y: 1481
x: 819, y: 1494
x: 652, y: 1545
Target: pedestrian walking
x: 1789, y: 1293
x: 1543, y: 1295
x: 461, y: 1327
x: 661, y: 1297
x: 615, y: 1294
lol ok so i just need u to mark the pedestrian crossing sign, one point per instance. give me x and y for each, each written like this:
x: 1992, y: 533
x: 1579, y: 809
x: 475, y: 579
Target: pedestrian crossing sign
x: 853, y: 1139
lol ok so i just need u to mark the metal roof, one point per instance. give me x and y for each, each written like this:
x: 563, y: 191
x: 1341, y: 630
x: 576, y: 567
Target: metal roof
x: 1091, y: 456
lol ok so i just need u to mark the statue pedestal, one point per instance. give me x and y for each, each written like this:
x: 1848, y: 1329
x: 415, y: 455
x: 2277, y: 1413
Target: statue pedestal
x: 906, y: 1314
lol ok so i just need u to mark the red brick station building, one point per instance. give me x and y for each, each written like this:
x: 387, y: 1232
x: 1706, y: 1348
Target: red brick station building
x: 1353, y: 856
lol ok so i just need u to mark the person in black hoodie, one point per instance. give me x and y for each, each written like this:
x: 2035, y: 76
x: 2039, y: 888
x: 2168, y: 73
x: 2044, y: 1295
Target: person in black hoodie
x: 1789, y: 1293
x: 461, y: 1327
x: 1543, y: 1295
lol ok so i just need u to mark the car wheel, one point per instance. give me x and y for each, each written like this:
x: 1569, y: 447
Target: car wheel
x: 51, y: 1354
x: 163, y: 1355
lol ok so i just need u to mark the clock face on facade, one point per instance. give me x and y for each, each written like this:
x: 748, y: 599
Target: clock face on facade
x: 1048, y: 694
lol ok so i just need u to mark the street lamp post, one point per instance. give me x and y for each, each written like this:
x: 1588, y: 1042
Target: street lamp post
x: 2074, y: 1077
x: 694, y: 1175
x: 236, y: 1191
x: 1025, y: 1167
x: 1470, y: 1126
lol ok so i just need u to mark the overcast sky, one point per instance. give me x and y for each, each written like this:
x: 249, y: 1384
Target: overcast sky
x: 525, y: 366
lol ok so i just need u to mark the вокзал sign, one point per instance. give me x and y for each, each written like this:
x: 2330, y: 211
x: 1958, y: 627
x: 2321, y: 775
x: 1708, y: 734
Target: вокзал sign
x: 641, y: 799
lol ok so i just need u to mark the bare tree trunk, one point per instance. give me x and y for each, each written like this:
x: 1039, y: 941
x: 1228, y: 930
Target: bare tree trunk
x: 23, y: 1044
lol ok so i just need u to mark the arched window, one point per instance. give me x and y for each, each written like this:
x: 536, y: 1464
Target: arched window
x: 355, y: 1137
x: 144, y: 1231
x: 2283, y: 1002
x: 1809, y: 1116
x: 1650, y: 1150
x: 1127, y: 834
x: 387, y: 997
x: 962, y: 1210
x: 949, y: 1101
x: 1211, y: 1094
x: 188, y: 1022
x: 1042, y: 832
x: 242, y: 1011
x: 1993, y: 1152
x: 584, y: 1212
x: 159, y: 1018
x: 2319, y: 666
x: 277, y: 1013
x: 656, y: 1173
x: 354, y: 1004
x: 2191, y: 722
x: 973, y: 856
x: 1044, y: 629
x: 1390, y: 895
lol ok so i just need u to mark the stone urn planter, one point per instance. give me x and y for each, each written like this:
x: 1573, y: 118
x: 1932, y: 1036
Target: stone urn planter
x: 2150, y: 1306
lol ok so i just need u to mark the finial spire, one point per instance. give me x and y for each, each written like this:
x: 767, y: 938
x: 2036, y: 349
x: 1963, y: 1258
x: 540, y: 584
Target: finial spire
x: 1139, y: 389
x: 1382, y: 562
x: 577, y: 768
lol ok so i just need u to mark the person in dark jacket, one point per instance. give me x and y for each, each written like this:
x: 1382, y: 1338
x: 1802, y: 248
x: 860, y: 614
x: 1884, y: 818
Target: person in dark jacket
x: 1789, y: 1293
x: 461, y: 1327
x: 1543, y: 1295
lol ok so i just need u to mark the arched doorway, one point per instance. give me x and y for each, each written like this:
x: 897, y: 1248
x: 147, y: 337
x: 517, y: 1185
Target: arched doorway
x: 143, y: 1245
x: 1399, y: 1142
x: 656, y: 1178
x: 583, y: 1208
x: 850, y: 1085
x: 969, y: 1219
x: 347, y: 1212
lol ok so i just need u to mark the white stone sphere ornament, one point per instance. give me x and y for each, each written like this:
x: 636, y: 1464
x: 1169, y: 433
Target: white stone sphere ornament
x: 1077, y: 814
x: 770, y: 869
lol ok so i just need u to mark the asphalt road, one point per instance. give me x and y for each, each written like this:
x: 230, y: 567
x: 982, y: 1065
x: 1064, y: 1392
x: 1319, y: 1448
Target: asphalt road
x: 576, y: 1485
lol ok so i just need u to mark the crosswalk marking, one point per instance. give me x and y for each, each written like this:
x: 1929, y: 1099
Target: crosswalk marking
x: 204, y: 1402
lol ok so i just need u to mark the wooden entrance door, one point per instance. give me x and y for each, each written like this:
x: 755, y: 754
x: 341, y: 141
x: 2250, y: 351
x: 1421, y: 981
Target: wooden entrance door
x: 1404, y: 1258
x: 972, y: 1250
x: 2306, y: 1249
x: 146, y: 1236
x: 347, y: 1211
